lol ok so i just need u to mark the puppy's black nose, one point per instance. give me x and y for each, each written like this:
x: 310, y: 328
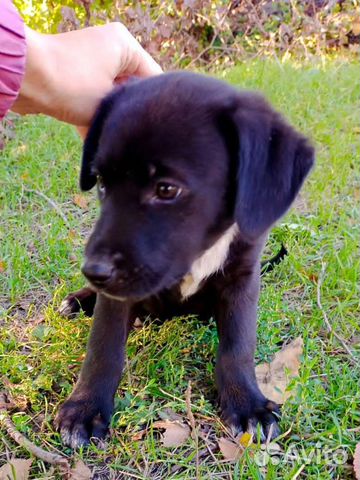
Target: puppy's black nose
x: 97, y: 272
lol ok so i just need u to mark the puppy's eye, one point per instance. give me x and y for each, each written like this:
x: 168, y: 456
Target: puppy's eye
x: 167, y: 191
x: 101, y: 186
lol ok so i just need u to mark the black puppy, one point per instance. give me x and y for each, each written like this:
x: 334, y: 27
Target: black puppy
x: 191, y: 175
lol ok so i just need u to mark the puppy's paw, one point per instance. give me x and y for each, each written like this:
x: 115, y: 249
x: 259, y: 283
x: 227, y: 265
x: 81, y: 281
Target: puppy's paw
x: 79, y: 420
x: 254, y: 414
x: 69, y: 307
x: 83, y: 299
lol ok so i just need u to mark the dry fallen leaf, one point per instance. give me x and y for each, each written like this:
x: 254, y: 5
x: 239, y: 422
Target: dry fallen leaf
x: 2, y: 266
x: 273, y: 378
x: 80, y: 471
x: 230, y: 450
x: 175, y: 433
x: 139, y: 435
x: 356, y: 27
x: 16, y: 469
x: 81, y: 201
x: 233, y: 450
x: 166, y: 414
x: 169, y: 414
x: 357, y: 461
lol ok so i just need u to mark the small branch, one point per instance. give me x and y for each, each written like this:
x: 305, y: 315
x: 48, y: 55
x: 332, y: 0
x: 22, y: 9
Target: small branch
x: 86, y: 5
x: 191, y: 419
x: 211, y: 415
x: 326, y: 319
x: 51, y: 202
x: 188, y: 407
x: 20, y: 439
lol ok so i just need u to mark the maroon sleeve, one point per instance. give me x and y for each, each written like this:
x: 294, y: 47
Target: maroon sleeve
x: 12, y: 55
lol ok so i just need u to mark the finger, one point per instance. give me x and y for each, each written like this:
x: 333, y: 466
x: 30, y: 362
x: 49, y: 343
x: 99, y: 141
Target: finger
x: 147, y: 65
x: 141, y: 64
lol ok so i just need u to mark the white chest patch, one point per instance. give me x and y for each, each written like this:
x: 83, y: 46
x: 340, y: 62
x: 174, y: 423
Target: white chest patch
x: 210, y: 262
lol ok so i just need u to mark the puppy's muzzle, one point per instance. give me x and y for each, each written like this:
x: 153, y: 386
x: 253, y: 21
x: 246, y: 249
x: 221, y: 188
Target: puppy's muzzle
x: 98, y: 272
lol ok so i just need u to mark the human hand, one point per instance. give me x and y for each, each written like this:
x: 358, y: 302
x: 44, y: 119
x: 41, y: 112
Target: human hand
x: 67, y: 74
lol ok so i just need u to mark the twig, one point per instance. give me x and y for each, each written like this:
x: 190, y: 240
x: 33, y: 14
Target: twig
x: 210, y: 450
x: 51, y: 202
x: 128, y: 474
x: 188, y: 407
x: 194, y: 432
x: 257, y: 19
x: 211, y: 415
x: 326, y: 319
x: 206, y: 49
x: 298, y: 472
x: 86, y: 5
x: 217, y: 35
x: 20, y: 439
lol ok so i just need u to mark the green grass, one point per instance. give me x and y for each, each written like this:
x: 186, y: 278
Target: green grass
x: 40, y: 256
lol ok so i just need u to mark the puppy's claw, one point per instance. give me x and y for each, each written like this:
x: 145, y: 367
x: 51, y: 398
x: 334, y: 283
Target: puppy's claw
x: 75, y: 438
x: 65, y: 309
x: 272, y: 431
x: 263, y: 431
x: 83, y: 299
x: 80, y: 420
x: 258, y: 431
x: 258, y: 417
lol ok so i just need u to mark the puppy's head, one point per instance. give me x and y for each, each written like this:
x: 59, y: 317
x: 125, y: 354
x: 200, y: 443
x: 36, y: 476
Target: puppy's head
x: 177, y: 159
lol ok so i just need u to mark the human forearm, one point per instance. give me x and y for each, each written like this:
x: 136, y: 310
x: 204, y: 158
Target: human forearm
x: 35, y: 92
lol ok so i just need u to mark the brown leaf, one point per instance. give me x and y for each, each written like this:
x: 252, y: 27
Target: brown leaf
x: 2, y: 266
x: 167, y: 416
x: 357, y: 461
x: 356, y: 27
x: 273, y: 378
x: 175, y: 433
x: 81, y: 201
x: 139, y: 435
x: 230, y: 450
x: 80, y: 471
x: 16, y: 469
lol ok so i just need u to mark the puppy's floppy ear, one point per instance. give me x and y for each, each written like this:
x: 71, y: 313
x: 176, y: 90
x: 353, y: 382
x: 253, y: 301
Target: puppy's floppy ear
x: 87, y: 178
x: 273, y: 161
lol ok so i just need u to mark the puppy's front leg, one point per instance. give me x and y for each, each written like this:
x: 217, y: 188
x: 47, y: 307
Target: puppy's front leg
x: 242, y: 404
x: 87, y: 411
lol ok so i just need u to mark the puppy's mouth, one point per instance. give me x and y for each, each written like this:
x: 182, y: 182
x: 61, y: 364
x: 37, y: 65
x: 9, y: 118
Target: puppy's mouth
x: 113, y: 297
x: 141, y: 284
